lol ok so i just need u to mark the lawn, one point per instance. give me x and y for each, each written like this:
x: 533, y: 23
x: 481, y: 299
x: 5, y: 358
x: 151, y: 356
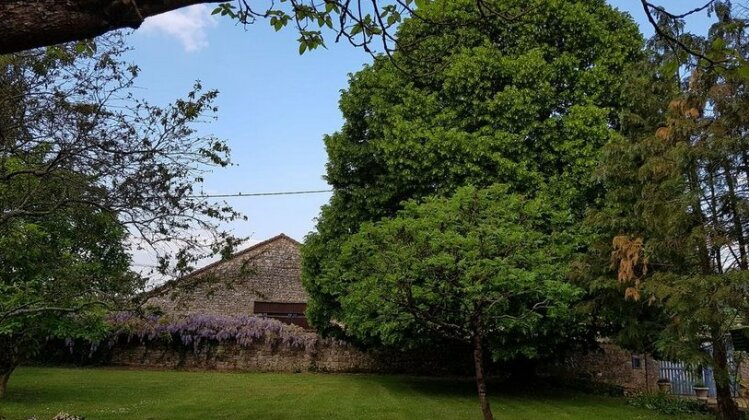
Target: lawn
x: 127, y: 394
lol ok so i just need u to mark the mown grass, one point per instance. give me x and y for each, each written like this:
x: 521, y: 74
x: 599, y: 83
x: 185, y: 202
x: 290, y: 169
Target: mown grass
x: 129, y: 394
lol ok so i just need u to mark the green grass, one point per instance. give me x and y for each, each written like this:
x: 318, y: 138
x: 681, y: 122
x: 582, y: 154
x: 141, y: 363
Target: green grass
x: 127, y: 394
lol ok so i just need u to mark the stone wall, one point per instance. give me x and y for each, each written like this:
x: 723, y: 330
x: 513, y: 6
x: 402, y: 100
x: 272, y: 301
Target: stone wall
x: 269, y: 271
x: 611, y: 365
x: 326, y: 356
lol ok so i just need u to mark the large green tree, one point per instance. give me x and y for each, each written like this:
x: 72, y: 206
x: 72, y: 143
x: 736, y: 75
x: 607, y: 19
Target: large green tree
x: 58, y: 274
x: 527, y: 103
x: 483, y: 268
x: 676, y: 209
x: 89, y: 172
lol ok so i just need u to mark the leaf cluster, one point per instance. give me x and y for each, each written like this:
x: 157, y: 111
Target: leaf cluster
x: 527, y: 103
x: 484, y: 263
x: 89, y: 172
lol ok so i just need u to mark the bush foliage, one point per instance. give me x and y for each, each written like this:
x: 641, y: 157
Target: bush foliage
x: 668, y: 404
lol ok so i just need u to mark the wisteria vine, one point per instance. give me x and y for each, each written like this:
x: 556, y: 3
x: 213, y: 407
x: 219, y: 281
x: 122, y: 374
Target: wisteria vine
x: 198, y: 330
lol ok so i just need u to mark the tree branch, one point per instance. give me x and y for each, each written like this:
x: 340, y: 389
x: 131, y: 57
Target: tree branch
x: 27, y: 309
x: 29, y: 24
x: 648, y: 7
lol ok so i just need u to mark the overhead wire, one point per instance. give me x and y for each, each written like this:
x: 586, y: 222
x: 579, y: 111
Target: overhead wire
x: 260, y: 194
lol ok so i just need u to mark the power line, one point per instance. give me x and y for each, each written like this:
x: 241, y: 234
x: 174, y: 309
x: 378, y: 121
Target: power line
x: 259, y: 194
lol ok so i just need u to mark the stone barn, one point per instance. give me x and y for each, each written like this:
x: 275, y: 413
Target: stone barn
x: 265, y: 280
x: 262, y: 280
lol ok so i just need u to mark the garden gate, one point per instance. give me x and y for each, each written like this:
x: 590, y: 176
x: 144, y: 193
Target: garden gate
x: 682, y: 378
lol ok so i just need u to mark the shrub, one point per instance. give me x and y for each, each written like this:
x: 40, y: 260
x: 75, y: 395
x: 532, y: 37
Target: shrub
x: 667, y: 404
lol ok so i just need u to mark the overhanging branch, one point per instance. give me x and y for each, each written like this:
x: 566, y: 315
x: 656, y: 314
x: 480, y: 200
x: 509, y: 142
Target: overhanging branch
x: 29, y: 24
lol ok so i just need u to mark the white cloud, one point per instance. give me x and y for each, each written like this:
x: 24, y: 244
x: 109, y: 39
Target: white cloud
x: 188, y: 25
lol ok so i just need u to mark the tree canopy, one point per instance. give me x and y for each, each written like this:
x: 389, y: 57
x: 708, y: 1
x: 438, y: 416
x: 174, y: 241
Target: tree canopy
x: 675, y: 215
x: 527, y: 104
x: 69, y: 111
x: 58, y: 273
x: 89, y: 172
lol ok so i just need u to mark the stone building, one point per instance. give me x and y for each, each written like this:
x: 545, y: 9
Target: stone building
x: 264, y: 280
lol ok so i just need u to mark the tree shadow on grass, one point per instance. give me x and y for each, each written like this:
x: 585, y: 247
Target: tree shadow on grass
x: 31, y: 394
x: 466, y: 387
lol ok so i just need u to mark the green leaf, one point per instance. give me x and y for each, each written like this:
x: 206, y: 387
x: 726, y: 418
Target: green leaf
x: 743, y: 71
x: 670, y: 67
x: 718, y: 44
x: 420, y: 3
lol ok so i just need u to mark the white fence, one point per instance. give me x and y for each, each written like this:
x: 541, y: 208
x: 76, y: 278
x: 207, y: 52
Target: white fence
x: 683, y: 379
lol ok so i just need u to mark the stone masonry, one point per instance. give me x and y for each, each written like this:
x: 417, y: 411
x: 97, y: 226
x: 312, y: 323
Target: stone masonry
x: 331, y: 356
x: 612, y: 365
x: 269, y: 271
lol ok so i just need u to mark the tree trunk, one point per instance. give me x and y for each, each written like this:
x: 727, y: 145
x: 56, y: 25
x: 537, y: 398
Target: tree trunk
x: 478, y: 361
x: 4, y: 376
x: 29, y: 24
x: 727, y: 408
x: 738, y: 229
x: 699, y: 219
x: 713, y: 208
x: 9, y: 360
x: 647, y: 374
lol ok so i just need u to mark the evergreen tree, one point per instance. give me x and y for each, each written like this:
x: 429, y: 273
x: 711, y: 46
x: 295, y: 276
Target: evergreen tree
x: 676, y: 209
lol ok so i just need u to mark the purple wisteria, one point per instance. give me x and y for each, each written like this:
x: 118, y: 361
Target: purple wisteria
x: 198, y: 330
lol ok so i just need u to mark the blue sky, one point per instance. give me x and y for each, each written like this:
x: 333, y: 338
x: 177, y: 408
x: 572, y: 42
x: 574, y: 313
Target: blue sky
x: 275, y: 105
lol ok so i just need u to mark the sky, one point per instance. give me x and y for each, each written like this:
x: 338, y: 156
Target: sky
x: 275, y: 106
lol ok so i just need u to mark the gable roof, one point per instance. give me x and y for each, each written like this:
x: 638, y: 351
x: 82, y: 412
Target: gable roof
x: 171, y: 283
